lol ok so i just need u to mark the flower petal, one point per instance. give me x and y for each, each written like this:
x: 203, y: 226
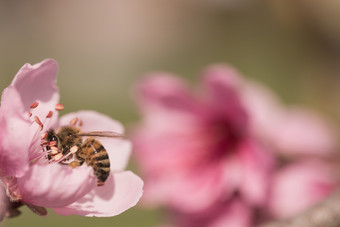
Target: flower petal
x: 296, y: 131
x: 31, y: 84
x: 222, y: 84
x: 306, y: 183
x: 119, y: 150
x: 257, y: 167
x: 93, y: 121
x: 13, y: 155
x: 120, y: 192
x: 233, y: 213
x: 236, y: 214
x: 164, y: 92
x: 304, y: 132
x: 56, y: 185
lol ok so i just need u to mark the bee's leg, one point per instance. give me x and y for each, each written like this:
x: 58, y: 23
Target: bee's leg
x: 80, y: 160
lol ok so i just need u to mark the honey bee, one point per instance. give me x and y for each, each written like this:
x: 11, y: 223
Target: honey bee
x: 68, y: 141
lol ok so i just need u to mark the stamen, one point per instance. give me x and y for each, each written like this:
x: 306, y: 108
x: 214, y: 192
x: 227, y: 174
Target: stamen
x: 54, y: 150
x: 37, y: 120
x: 58, y: 157
x: 52, y: 143
x: 49, y: 115
x: 74, y: 149
x: 100, y: 183
x: 80, y: 123
x: 43, y: 136
x: 29, y: 114
x: 59, y: 107
x: 74, y: 121
x: 43, y: 143
x: 34, y: 105
x: 65, y: 157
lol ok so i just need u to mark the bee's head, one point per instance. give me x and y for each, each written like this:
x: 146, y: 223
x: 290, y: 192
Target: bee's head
x: 68, y: 137
x: 51, y: 137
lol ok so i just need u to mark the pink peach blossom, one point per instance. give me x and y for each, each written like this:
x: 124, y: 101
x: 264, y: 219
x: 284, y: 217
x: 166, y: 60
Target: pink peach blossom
x: 215, y: 149
x: 197, y: 150
x: 28, y: 109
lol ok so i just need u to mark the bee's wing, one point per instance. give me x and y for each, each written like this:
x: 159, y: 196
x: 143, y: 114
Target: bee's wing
x: 108, y: 134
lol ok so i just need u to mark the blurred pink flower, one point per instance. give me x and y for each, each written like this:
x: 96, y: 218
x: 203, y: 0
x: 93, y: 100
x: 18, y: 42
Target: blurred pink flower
x: 197, y: 150
x: 210, y: 157
x: 28, y: 109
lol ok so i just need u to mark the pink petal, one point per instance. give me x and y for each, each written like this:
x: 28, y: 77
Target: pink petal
x: 13, y: 154
x: 55, y: 185
x: 257, y: 166
x: 222, y: 83
x: 187, y: 191
x: 304, y: 132
x: 120, y: 192
x: 164, y: 92
x: 238, y: 214
x: 93, y: 121
x: 31, y: 84
x: 295, y: 131
x: 234, y: 213
x: 169, y: 146
x: 299, y: 186
x: 119, y: 150
x: 263, y: 107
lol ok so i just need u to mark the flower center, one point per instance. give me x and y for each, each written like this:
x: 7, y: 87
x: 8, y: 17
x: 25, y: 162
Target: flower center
x: 225, y: 137
x: 48, y: 147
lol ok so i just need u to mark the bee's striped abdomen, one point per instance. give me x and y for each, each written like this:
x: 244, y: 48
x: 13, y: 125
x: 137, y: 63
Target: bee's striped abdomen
x: 96, y: 156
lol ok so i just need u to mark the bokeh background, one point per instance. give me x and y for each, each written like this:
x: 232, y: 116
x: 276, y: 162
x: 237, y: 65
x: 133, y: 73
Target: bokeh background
x: 104, y: 47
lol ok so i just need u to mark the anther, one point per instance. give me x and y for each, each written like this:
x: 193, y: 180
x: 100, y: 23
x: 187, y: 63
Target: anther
x: 44, y: 143
x: 34, y: 105
x: 74, y: 121
x: 59, y: 107
x: 74, y: 149
x: 100, y: 183
x: 29, y: 114
x: 54, y: 150
x: 80, y: 123
x: 43, y: 136
x: 49, y: 115
x: 52, y: 143
x: 37, y: 120
x: 58, y: 157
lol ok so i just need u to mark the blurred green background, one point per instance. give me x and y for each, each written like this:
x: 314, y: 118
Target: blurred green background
x: 104, y: 47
